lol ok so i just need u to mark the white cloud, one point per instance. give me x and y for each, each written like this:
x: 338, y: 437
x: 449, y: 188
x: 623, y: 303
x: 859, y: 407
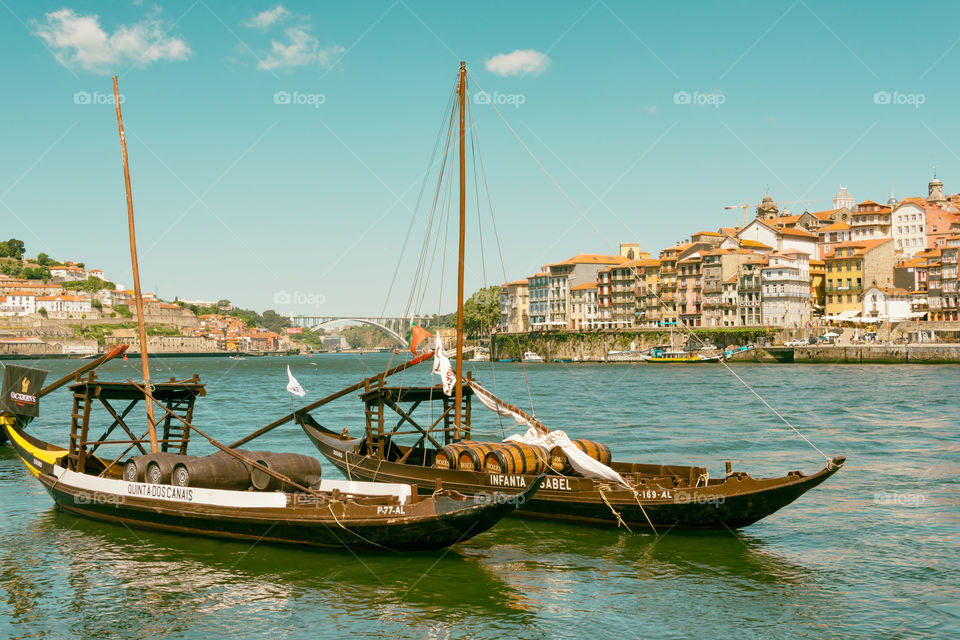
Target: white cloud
x: 521, y: 61
x: 650, y: 109
x: 268, y: 18
x: 302, y: 50
x: 79, y: 40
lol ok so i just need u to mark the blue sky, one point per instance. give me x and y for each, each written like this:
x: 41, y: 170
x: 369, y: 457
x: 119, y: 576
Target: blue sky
x: 239, y: 197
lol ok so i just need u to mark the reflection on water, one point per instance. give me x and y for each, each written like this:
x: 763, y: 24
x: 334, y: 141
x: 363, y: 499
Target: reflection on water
x: 841, y: 562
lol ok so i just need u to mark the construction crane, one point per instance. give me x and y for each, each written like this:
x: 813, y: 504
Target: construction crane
x: 747, y: 205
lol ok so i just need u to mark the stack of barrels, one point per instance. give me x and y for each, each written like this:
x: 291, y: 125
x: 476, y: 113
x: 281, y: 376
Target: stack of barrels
x: 511, y: 458
x: 596, y: 450
x: 223, y: 471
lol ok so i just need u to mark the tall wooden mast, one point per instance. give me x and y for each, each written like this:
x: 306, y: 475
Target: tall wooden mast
x: 151, y: 423
x: 462, y: 92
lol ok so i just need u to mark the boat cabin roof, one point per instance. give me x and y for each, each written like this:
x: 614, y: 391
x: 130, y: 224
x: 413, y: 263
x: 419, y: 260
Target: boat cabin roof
x: 162, y: 391
x: 409, y: 394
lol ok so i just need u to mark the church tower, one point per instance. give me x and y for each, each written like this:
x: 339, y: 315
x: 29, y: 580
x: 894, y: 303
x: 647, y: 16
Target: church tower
x: 843, y: 199
x: 935, y: 191
x: 767, y: 209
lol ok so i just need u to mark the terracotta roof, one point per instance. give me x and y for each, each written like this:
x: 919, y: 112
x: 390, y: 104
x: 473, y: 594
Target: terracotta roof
x: 515, y: 282
x: 786, y: 219
x: 836, y: 226
x: 585, y: 285
x: 863, y: 246
x: 594, y: 258
x: 897, y: 291
x: 705, y: 233
x: 729, y: 231
x: 824, y: 215
x: 797, y: 232
x: 732, y: 278
x: 754, y: 243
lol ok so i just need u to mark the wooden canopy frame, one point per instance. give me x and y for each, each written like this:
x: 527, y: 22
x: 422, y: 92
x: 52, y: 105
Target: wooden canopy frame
x: 377, y: 397
x: 177, y: 396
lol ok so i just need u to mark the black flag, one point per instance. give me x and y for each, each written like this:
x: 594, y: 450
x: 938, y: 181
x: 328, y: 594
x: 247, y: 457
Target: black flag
x: 21, y: 390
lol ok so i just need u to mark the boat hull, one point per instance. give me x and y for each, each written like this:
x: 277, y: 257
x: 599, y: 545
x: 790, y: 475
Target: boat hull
x: 302, y: 520
x: 731, y: 503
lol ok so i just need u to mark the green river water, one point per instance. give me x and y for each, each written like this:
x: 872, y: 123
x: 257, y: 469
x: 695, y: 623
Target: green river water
x: 872, y: 553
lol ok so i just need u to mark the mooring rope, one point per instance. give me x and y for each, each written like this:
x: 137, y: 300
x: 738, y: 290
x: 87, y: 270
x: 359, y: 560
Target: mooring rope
x: 352, y: 532
x: 636, y: 497
x: 620, y: 521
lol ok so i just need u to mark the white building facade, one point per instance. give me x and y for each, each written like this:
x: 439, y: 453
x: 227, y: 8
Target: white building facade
x: 909, y: 227
x: 785, y: 297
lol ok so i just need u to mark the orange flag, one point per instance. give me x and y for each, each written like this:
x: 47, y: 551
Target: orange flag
x: 417, y: 335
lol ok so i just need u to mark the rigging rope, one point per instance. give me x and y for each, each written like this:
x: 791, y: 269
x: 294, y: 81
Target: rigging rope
x: 602, y: 237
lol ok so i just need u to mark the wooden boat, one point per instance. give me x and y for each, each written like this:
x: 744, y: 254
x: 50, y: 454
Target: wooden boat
x: 672, y: 496
x: 398, y: 447
x: 241, y: 495
x: 331, y: 514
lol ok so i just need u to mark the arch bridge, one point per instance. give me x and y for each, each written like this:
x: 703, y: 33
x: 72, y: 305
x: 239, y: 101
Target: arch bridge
x: 392, y: 326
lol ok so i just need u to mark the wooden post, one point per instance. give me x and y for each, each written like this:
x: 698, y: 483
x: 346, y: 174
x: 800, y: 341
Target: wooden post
x: 461, y: 90
x: 144, y: 365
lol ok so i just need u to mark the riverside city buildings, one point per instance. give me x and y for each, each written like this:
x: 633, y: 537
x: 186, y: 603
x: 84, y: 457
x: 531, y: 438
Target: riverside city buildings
x: 732, y: 276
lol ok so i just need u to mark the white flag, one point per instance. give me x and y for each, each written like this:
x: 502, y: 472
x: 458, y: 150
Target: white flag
x: 293, y: 386
x: 441, y: 367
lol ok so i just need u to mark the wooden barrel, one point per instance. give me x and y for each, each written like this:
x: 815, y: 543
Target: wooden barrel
x: 212, y: 472
x: 446, y: 457
x: 517, y: 458
x: 596, y: 450
x: 472, y: 458
x: 135, y: 468
x: 303, y: 470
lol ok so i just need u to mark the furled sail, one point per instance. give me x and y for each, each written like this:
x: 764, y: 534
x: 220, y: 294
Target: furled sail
x: 539, y: 435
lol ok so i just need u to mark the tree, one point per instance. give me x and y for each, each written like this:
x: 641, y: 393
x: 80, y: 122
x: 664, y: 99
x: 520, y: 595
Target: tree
x: 44, y: 260
x: 274, y: 321
x: 481, y: 312
x: 14, y: 248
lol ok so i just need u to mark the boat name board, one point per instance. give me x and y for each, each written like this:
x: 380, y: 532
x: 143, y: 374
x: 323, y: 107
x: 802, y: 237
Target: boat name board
x: 391, y: 510
x: 556, y: 483
x: 109, y: 490
x: 507, y: 481
x: 653, y: 494
x: 163, y: 491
